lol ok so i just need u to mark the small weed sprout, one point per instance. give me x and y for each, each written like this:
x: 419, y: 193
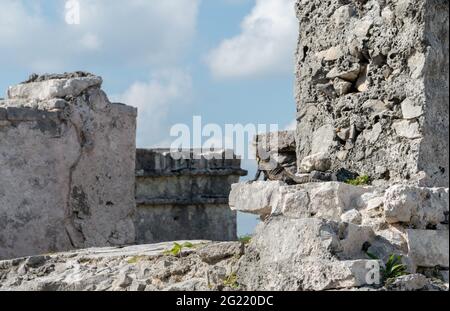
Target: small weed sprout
x: 178, y: 248
x: 359, y: 181
x: 231, y: 281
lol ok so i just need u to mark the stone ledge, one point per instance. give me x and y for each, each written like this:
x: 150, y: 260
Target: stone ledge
x: 190, y: 172
x: 53, y: 88
x: 160, y: 162
x: 397, y: 205
x: 146, y: 201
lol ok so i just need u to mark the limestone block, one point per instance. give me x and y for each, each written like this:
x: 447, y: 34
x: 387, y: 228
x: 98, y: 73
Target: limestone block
x: 333, y: 53
x: 291, y: 202
x: 429, y: 248
x: 411, y: 282
x: 342, y: 87
x: 255, y: 198
x: 407, y: 129
x: 421, y: 207
x: 213, y: 253
x: 67, y: 175
x: 410, y: 109
x: 316, y: 162
x: 349, y: 74
x: 276, y: 141
x: 352, y: 216
x: 327, y: 200
x: 297, y: 251
x: 330, y: 200
x: 54, y: 88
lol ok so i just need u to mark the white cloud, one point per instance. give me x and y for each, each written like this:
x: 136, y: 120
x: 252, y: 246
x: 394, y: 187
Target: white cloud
x: 90, y: 42
x: 135, y: 32
x: 155, y: 99
x: 265, y: 45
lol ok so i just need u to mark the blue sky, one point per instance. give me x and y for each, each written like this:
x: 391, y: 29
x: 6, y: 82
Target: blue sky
x: 228, y: 61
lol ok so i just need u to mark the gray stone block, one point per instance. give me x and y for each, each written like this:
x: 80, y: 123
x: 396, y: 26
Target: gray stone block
x: 429, y: 248
x: 65, y: 185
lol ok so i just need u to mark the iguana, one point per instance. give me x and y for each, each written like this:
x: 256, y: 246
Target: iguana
x: 284, y: 173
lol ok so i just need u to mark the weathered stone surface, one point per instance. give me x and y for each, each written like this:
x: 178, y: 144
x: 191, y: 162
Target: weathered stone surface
x: 412, y: 282
x: 216, y: 252
x: 53, y: 88
x: 135, y: 268
x: 374, y: 214
x: 316, y: 162
x: 66, y: 178
x: 302, y: 260
x: 429, y: 248
x: 422, y: 207
x: 282, y: 141
x: 254, y: 198
x: 328, y: 200
x: 396, y: 61
x: 161, y: 222
x: 352, y: 216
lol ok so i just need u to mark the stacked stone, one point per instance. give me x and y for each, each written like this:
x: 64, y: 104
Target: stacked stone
x: 404, y: 220
x: 372, y: 87
x: 66, y: 166
x: 185, y: 196
x: 372, y: 93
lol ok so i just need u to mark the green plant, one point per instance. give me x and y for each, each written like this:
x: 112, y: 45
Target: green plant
x: 246, y: 239
x: 359, y: 181
x: 393, y: 268
x: 177, y: 248
x: 231, y: 281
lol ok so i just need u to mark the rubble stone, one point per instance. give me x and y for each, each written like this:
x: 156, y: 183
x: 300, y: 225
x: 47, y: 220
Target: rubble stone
x: 394, y: 53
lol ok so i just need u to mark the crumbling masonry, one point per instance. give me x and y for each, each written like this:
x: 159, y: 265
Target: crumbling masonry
x: 67, y: 159
x: 372, y: 87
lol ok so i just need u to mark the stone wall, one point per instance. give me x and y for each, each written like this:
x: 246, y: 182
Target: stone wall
x: 185, y: 198
x: 372, y: 87
x: 317, y: 236
x: 66, y: 167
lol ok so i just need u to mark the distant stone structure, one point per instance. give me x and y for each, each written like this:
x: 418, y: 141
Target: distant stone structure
x: 185, y: 198
x: 67, y: 158
x: 372, y: 87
